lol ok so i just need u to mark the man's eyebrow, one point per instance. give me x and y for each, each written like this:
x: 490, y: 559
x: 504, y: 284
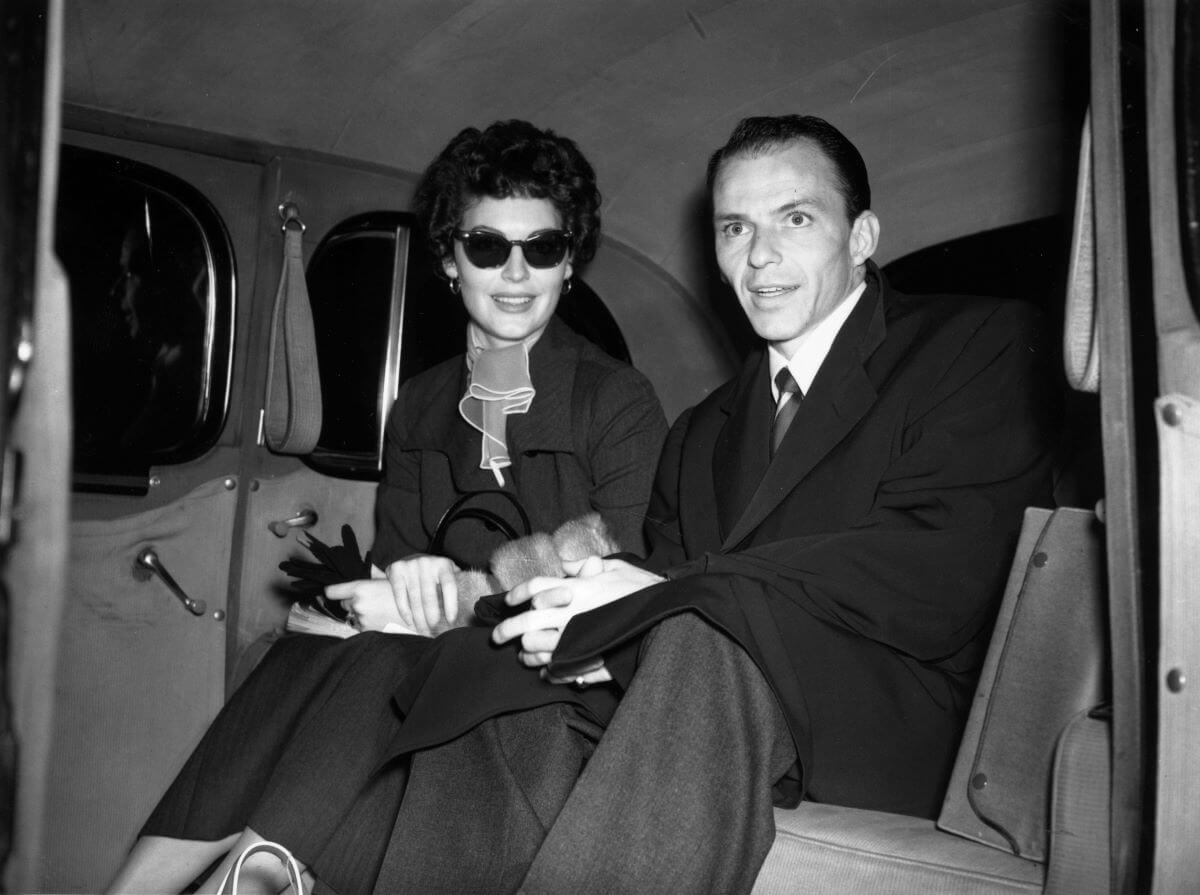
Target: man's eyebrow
x: 793, y: 205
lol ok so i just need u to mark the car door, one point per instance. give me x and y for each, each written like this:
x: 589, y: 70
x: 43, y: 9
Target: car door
x: 158, y: 244
x: 34, y: 425
x: 181, y: 513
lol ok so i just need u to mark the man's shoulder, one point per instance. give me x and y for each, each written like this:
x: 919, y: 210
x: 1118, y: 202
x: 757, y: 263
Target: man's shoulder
x: 939, y: 322
x: 957, y: 309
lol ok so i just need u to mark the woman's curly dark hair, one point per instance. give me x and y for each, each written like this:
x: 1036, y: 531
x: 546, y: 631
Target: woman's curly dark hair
x: 509, y: 158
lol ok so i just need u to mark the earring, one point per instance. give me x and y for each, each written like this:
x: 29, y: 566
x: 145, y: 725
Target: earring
x: 455, y: 285
x: 566, y: 287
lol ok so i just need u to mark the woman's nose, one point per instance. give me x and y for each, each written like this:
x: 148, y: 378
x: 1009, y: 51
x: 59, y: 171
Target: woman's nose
x: 515, y: 268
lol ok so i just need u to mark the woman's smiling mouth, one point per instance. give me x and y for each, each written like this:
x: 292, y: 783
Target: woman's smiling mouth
x: 513, y: 302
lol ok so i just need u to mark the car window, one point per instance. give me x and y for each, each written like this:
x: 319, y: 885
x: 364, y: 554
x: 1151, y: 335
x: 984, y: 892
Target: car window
x: 152, y: 290
x: 380, y: 315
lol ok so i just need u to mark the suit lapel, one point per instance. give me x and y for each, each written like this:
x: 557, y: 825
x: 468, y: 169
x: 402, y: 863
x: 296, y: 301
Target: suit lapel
x: 840, y: 396
x: 740, y: 453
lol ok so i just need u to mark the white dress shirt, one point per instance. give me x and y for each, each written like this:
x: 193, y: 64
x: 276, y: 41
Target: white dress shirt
x: 814, y: 346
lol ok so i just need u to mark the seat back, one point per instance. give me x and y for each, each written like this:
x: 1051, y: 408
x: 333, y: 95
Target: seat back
x: 1047, y: 663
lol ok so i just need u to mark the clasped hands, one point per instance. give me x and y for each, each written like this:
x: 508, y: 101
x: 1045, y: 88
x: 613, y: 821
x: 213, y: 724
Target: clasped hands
x: 590, y: 583
x: 419, y: 591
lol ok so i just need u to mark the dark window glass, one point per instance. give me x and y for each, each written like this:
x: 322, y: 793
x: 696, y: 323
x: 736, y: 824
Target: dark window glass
x: 1187, y: 103
x: 367, y: 282
x: 382, y: 314
x: 151, y: 276
x: 350, y: 285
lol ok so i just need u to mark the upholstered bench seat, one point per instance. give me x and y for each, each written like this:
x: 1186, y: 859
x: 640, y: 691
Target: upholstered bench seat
x: 831, y: 849
x: 1028, y: 801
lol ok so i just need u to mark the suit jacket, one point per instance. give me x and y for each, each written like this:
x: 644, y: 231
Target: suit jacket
x: 584, y: 445
x: 862, y: 567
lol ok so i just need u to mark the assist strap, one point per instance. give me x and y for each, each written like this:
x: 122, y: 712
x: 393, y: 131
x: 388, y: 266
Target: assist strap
x: 1081, y: 350
x: 292, y: 416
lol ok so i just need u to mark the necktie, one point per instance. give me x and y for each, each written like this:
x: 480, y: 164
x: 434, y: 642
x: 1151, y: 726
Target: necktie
x: 790, y: 397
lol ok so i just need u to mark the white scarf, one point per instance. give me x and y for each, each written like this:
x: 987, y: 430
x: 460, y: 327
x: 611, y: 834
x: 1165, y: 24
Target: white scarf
x: 499, y: 385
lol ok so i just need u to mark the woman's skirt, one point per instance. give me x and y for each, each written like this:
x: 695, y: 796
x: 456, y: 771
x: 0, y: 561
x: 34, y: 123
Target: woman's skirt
x: 307, y: 713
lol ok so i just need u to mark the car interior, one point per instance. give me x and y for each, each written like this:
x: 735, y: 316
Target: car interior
x: 213, y: 291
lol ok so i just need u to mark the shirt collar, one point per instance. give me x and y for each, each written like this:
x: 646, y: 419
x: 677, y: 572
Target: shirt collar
x: 814, y: 346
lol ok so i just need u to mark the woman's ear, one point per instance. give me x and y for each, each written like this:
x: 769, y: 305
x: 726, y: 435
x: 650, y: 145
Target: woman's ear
x: 569, y: 270
x: 450, y: 268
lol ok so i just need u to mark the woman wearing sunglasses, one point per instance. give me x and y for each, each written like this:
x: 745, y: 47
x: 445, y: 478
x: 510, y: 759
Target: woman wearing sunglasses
x: 530, y: 408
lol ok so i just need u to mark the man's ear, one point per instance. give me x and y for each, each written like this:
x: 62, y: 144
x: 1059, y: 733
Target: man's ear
x: 864, y: 237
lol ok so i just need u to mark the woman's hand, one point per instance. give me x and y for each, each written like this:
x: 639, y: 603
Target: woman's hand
x: 368, y: 601
x: 424, y: 591
x: 418, y: 592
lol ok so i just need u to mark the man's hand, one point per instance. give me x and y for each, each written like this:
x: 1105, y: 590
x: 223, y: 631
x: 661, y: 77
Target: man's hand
x: 417, y: 592
x: 555, y: 601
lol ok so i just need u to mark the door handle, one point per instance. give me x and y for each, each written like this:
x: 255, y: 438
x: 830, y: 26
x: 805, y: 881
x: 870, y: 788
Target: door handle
x: 303, y: 519
x: 148, y: 559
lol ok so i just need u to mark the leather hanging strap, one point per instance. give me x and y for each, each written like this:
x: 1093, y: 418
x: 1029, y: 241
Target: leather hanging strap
x: 1081, y: 348
x: 292, y: 416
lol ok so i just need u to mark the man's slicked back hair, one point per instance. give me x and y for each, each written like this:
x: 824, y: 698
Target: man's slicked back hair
x: 766, y: 134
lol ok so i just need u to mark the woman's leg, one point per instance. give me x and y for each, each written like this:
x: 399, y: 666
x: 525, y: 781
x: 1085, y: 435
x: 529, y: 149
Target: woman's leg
x: 198, y: 817
x: 162, y: 864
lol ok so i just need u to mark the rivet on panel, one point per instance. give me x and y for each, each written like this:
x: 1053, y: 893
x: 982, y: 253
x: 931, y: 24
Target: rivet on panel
x: 230, y: 483
x: 1176, y: 680
x: 1172, y: 415
x: 219, y: 615
x: 255, y: 485
x: 1039, y: 560
x: 155, y: 481
x: 979, y: 781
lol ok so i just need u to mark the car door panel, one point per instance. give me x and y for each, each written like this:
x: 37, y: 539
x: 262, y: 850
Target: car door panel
x: 264, y: 603
x: 139, y: 676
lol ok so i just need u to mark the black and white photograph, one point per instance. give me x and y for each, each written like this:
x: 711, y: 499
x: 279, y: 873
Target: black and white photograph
x: 600, y: 447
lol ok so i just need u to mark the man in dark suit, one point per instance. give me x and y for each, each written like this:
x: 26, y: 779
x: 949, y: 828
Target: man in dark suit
x: 830, y: 534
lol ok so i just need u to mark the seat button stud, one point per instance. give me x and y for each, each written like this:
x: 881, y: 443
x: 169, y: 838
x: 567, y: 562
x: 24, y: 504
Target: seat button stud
x: 1176, y: 680
x: 1039, y: 560
x: 979, y: 781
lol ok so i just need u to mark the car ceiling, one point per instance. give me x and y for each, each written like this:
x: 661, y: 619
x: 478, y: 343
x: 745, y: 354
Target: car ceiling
x: 967, y: 111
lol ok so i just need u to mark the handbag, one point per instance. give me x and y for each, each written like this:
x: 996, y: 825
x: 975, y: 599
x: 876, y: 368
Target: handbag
x: 295, y: 874
x: 461, y: 509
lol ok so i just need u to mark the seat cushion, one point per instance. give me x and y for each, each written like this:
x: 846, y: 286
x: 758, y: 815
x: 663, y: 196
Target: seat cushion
x: 831, y: 849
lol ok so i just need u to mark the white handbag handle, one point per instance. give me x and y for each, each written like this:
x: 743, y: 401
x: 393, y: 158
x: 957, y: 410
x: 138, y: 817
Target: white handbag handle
x: 295, y: 874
